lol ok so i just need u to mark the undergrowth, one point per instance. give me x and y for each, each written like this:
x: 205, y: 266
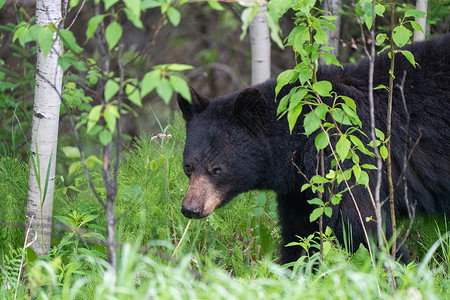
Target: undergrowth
x: 230, y: 255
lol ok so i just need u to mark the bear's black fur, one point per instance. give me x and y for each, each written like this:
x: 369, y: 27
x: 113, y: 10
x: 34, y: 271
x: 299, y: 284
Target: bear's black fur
x: 235, y: 144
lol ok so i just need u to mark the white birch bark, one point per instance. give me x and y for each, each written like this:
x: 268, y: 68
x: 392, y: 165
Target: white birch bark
x: 333, y: 7
x: 44, y: 134
x: 260, y: 45
x: 421, y: 5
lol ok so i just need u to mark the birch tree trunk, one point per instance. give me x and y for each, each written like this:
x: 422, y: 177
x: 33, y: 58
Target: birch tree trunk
x: 260, y: 45
x: 421, y: 5
x: 44, y: 135
x: 333, y: 7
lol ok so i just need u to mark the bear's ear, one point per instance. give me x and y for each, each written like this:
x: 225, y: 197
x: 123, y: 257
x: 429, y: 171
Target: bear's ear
x: 252, y: 111
x: 197, y: 105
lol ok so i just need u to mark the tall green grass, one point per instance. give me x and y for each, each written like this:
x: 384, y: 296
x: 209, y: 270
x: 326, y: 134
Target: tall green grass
x: 229, y: 255
x: 13, y: 201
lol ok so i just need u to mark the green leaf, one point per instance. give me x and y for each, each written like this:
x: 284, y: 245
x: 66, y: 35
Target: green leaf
x: 343, y: 147
x: 323, y: 88
x: 317, y: 188
x: 164, y: 90
x: 410, y: 57
x: 356, y: 171
x: 297, y: 96
x: 355, y: 158
x: 316, y: 201
x: 135, y: 7
x: 215, y: 5
x: 277, y: 8
x: 331, y: 174
x: 305, y: 74
x: 364, y: 178
x: 349, y: 101
x: 73, y: 3
x: 351, y: 115
x: 174, y: 16
x: 330, y: 59
x: 150, y: 81
x: 321, y: 111
x: 321, y: 36
x: 292, y: 116
x: 30, y: 34
x: 380, y: 87
x: 384, y: 152
x: 19, y: 30
x: 105, y: 137
x: 283, y: 79
x: 45, y: 39
x: 259, y: 211
x: 177, y: 67
x: 381, y: 37
x: 94, y: 116
x: 416, y: 26
x: 317, y: 179
x: 180, y: 86
x: 113, y: 33
x: 401, y: 35
x: 328, y: 211
x: 133, y: 18
x: 133, y: 94
x: 282, y: 105
x: 111, y: 88
x: 368, y: 166
x: 2, y: 2
x: 336, y: 199
x: 153, y: 165
x: 379, y: 9
x: 247, y: 16
x: 93, y: 24
x: 109, y: 3
x: 417, y: 14
x: 110, y: 114
x: 261, y: 199
x: 305, y: 186
x: 340, y: 117
x: 311, y: 123
x: 71, y: 152
x: 69, y: 40
x: 275, y: 30
x: 321, y: 141
x: 379, y: 134
x: 316, y: 214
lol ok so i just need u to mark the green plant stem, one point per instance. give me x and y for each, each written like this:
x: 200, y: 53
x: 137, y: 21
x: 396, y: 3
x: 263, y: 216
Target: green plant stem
x: 322, y: 171
x: 166, y: 170
x: 25, y: 246
x: 388, y: 135
x: 182, y: 237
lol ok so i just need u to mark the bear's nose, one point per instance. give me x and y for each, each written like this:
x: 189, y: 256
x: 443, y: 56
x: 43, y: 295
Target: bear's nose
x: 191, y: 212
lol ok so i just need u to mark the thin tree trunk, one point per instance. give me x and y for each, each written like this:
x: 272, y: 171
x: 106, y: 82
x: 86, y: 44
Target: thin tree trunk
x: 44, y: 134
x: 333, y: 6
x: 421, y: 5
x: 260, y: 45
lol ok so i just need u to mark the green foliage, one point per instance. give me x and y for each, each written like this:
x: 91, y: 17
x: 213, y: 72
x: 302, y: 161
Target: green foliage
x: 239, y: 239
x: 87, y: 276
x: 13, y: 188
x: 327, y: 116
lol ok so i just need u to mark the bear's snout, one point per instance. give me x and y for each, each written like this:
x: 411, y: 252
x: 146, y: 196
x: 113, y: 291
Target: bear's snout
x: 201, y: 198
x: 191, y: 212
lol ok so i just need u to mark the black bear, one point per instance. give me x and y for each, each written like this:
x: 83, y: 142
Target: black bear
x: 235, y: 143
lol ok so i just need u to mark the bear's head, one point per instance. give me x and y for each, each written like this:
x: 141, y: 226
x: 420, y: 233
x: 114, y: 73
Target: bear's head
x: 226, y: 152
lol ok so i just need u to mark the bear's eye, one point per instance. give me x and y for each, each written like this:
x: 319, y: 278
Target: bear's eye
x: 217, y: 171
x: 187, y: 170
